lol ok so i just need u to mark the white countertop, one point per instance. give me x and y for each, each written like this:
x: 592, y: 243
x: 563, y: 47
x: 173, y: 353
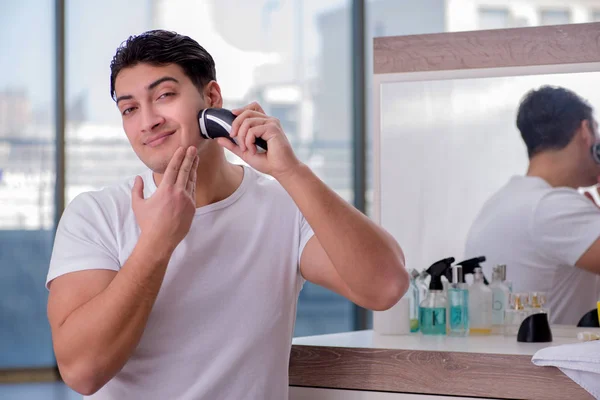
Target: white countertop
x: 494, y: 344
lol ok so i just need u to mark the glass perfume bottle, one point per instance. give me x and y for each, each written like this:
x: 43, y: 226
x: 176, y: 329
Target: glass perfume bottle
x: 516, y: 312
x: 537, y: 300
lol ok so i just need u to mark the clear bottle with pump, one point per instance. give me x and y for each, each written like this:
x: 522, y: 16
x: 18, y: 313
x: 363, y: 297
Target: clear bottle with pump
x: 458, y: 304
x: 502, y: 270
x: 413, y: 296
x: 480, y: 306
x: 500, y: 297
x: 421, y: 282
x: 470, y: 265
x: 432, y: 313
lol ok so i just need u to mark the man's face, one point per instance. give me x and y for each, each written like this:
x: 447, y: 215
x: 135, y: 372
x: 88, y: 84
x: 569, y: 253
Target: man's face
x: 159, y: 106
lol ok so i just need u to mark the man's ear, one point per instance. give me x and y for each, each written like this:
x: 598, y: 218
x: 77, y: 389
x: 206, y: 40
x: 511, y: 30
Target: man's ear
x: 212, y: 95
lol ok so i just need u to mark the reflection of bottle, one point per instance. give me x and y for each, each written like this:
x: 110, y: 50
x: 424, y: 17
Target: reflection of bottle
x: 413, y: 296
x: 587, y: 336
x: 502, y: 271
x: 458, y: 304
x: 515, y: 313
x: 480, y: 306
x: 537, y: 300
x: 500, y: 293
x: 470, y: 265
x: 422, y: 285
x: 432, y: 313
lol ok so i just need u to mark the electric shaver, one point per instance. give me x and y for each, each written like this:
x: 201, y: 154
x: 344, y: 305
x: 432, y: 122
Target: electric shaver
x: 216, y: 122
x: 596, y: 152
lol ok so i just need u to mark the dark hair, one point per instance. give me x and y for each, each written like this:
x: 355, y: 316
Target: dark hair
x: 159, y: 47
x: 549, y: 117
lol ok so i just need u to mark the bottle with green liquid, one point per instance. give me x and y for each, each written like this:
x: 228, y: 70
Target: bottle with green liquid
x: 432, y: 312
x: 413, y: 296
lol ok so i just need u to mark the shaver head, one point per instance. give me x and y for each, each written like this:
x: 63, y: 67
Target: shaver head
x: 596, y: 152
x: 216, y: 122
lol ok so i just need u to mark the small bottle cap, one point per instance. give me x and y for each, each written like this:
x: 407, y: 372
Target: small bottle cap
x: 502, y: 271
x: 496, y: 275
x: 587, y: 336
x: 518, y: 301
x: 457, y: 274
x: 538, y: 299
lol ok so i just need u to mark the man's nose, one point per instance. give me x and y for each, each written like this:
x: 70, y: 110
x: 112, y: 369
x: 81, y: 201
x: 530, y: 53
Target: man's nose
x: 151, y: 119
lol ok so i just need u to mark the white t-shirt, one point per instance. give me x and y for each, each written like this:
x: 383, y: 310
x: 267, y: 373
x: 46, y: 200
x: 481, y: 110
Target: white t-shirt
x: 223, y: 321
x: 540, y: 232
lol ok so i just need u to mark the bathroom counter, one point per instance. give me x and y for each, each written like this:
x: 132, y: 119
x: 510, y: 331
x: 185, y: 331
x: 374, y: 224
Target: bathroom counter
x: 415, y: 365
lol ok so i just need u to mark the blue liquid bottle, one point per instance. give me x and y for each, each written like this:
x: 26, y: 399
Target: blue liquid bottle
x: 458, y: 304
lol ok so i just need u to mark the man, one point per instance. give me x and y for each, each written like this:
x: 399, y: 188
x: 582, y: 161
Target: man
x: 183, y: 283
x: 539, y: 225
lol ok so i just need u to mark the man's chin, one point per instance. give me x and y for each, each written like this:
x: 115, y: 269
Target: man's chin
x: 158, y: 167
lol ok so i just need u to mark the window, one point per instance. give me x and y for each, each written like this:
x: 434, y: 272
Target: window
x: 27, y: 139
x: 494, y: 18
x: 97, y: 151
x: 555, y: 17
x: 379, y: 29
x: 292, y: 57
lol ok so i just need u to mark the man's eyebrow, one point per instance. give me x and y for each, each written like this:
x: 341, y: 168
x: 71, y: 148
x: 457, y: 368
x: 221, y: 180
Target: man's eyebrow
x: 125, y: 97
x: 150, y: 87
x: 161, y: 80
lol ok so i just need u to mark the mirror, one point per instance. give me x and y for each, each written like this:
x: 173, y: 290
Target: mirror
x: 445, y: 147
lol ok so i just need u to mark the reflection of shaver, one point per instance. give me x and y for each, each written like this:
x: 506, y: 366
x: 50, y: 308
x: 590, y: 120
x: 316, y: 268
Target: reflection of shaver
x: 216, y: 122
x: 596, y: 152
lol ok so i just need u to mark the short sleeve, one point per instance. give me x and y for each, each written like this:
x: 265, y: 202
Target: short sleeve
x: 565, y: 225
x: 85, y: 239
x: 306, y: 233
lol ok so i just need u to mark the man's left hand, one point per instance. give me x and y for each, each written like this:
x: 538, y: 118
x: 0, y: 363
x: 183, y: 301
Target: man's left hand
x: 251, y: 123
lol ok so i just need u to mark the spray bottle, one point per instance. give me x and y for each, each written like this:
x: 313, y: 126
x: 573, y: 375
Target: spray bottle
x: 470, y: 265
x: 432, y: 313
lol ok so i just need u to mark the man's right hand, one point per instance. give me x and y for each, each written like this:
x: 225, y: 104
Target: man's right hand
x: 165, y: 218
